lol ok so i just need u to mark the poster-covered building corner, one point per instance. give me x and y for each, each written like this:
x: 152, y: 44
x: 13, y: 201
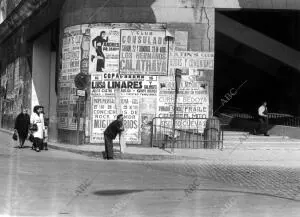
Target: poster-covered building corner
x: 130, y: 61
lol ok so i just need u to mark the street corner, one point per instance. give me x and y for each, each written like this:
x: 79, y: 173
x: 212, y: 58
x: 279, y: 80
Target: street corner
x: 138, y: 154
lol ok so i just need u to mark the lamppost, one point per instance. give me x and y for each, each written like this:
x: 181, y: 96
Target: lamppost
x: 81, y: 81
x: 178, y: 73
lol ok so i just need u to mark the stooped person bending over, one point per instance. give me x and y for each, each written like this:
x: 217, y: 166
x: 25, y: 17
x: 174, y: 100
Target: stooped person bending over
x: 110, y: 133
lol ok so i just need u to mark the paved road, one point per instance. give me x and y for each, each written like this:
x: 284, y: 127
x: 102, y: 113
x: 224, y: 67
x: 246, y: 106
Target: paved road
x: 55, y: 183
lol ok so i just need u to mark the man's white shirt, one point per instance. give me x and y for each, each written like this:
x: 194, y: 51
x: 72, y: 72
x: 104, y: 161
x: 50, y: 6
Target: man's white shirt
x: 261, y: 110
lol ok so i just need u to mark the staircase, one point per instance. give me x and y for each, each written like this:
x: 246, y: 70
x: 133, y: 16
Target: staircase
x: 245, y: 141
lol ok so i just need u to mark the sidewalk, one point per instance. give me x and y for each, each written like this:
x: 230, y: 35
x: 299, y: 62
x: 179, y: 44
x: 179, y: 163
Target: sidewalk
x: 131, y: 153
x: 279, y: 154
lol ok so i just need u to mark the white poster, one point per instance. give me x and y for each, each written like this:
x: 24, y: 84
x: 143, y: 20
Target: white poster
x: 191, y: 60
x: 71, y: 53
x: 193, y: 96
x: 105, y: 84
x: 143, y: 52
x: 104, y: 50
x: 192, y: 102
x: 10, y: 81
x: 180, y: 43
x: 104, y: 112
x: 71, y: 65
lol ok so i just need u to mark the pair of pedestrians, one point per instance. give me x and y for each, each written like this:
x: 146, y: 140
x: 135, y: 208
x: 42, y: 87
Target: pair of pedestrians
x: 33, y: 125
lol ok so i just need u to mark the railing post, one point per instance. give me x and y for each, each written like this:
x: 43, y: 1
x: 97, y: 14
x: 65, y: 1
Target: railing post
x: 151, y: 139
x: 177, y: 86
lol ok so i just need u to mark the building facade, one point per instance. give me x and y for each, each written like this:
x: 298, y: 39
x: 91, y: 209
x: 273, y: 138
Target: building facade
x: 129, y: 49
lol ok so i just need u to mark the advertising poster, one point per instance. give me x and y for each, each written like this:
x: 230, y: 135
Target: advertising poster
x: 104, y: 50
x: 104, y: 111
x: 72, y: 125
x: 85, y: 49
x: 143, y: 52
x: 17, y: 75
x: 63, y: 104
x: 191, y: 60
x: 17, y: 88
x: 105, y: 84
x: 71, y: 53
x: 148, y: 105
x: 130, y: 110
x: 63, y: 119
x: 193, y: 96
x: 180, y: 43
x: 150, y: 87
x: 181, y: 40
x: 4, y: 84
x: 64, y: 93
x: 73, y: 48
x: 148, y: 111
x: 10, y: 81
x: 124, y: 90
x: 4, y: 79
x: 192, y: 102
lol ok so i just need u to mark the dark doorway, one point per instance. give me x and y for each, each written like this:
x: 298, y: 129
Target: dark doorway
x: 254, y: 60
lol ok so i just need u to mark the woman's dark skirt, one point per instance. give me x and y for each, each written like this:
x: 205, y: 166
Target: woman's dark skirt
x: 22, y: 134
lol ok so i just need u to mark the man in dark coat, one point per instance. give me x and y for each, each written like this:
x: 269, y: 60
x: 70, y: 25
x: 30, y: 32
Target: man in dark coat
x: 110, y: 133
x: 22, y: 126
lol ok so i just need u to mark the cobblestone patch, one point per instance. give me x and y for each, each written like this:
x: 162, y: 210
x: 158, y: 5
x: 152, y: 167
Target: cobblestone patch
x: 275, y: 181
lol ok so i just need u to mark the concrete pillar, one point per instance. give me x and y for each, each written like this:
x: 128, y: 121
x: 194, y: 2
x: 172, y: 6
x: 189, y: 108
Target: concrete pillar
x: 52, y: 100
x: 43, y: 81
x: 41, y: 64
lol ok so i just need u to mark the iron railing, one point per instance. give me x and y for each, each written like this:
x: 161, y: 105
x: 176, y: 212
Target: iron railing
x: 192, y: 133
x: 284, y: 119
x: 274, y: 118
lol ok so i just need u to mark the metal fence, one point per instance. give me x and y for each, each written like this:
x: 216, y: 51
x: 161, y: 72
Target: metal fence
x: 274, y: 118
x: 192, y: 133
x: 284, y: 119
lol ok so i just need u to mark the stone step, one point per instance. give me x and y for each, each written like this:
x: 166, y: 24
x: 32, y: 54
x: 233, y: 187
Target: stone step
x: 235, y: 133
x: 283, y: 142
x: 255, y: 138
x: 262, y: 146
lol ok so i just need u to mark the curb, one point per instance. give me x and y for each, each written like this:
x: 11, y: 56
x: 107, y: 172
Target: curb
x: 11, y: 132
x: 117, y: 154
x: 124, y: 156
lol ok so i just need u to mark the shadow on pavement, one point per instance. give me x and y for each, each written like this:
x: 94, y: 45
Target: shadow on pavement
x: 115, y: 192
x: 24, y: 147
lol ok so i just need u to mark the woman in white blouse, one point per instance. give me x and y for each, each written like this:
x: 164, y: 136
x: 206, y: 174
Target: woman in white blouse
x: 37, y: 118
